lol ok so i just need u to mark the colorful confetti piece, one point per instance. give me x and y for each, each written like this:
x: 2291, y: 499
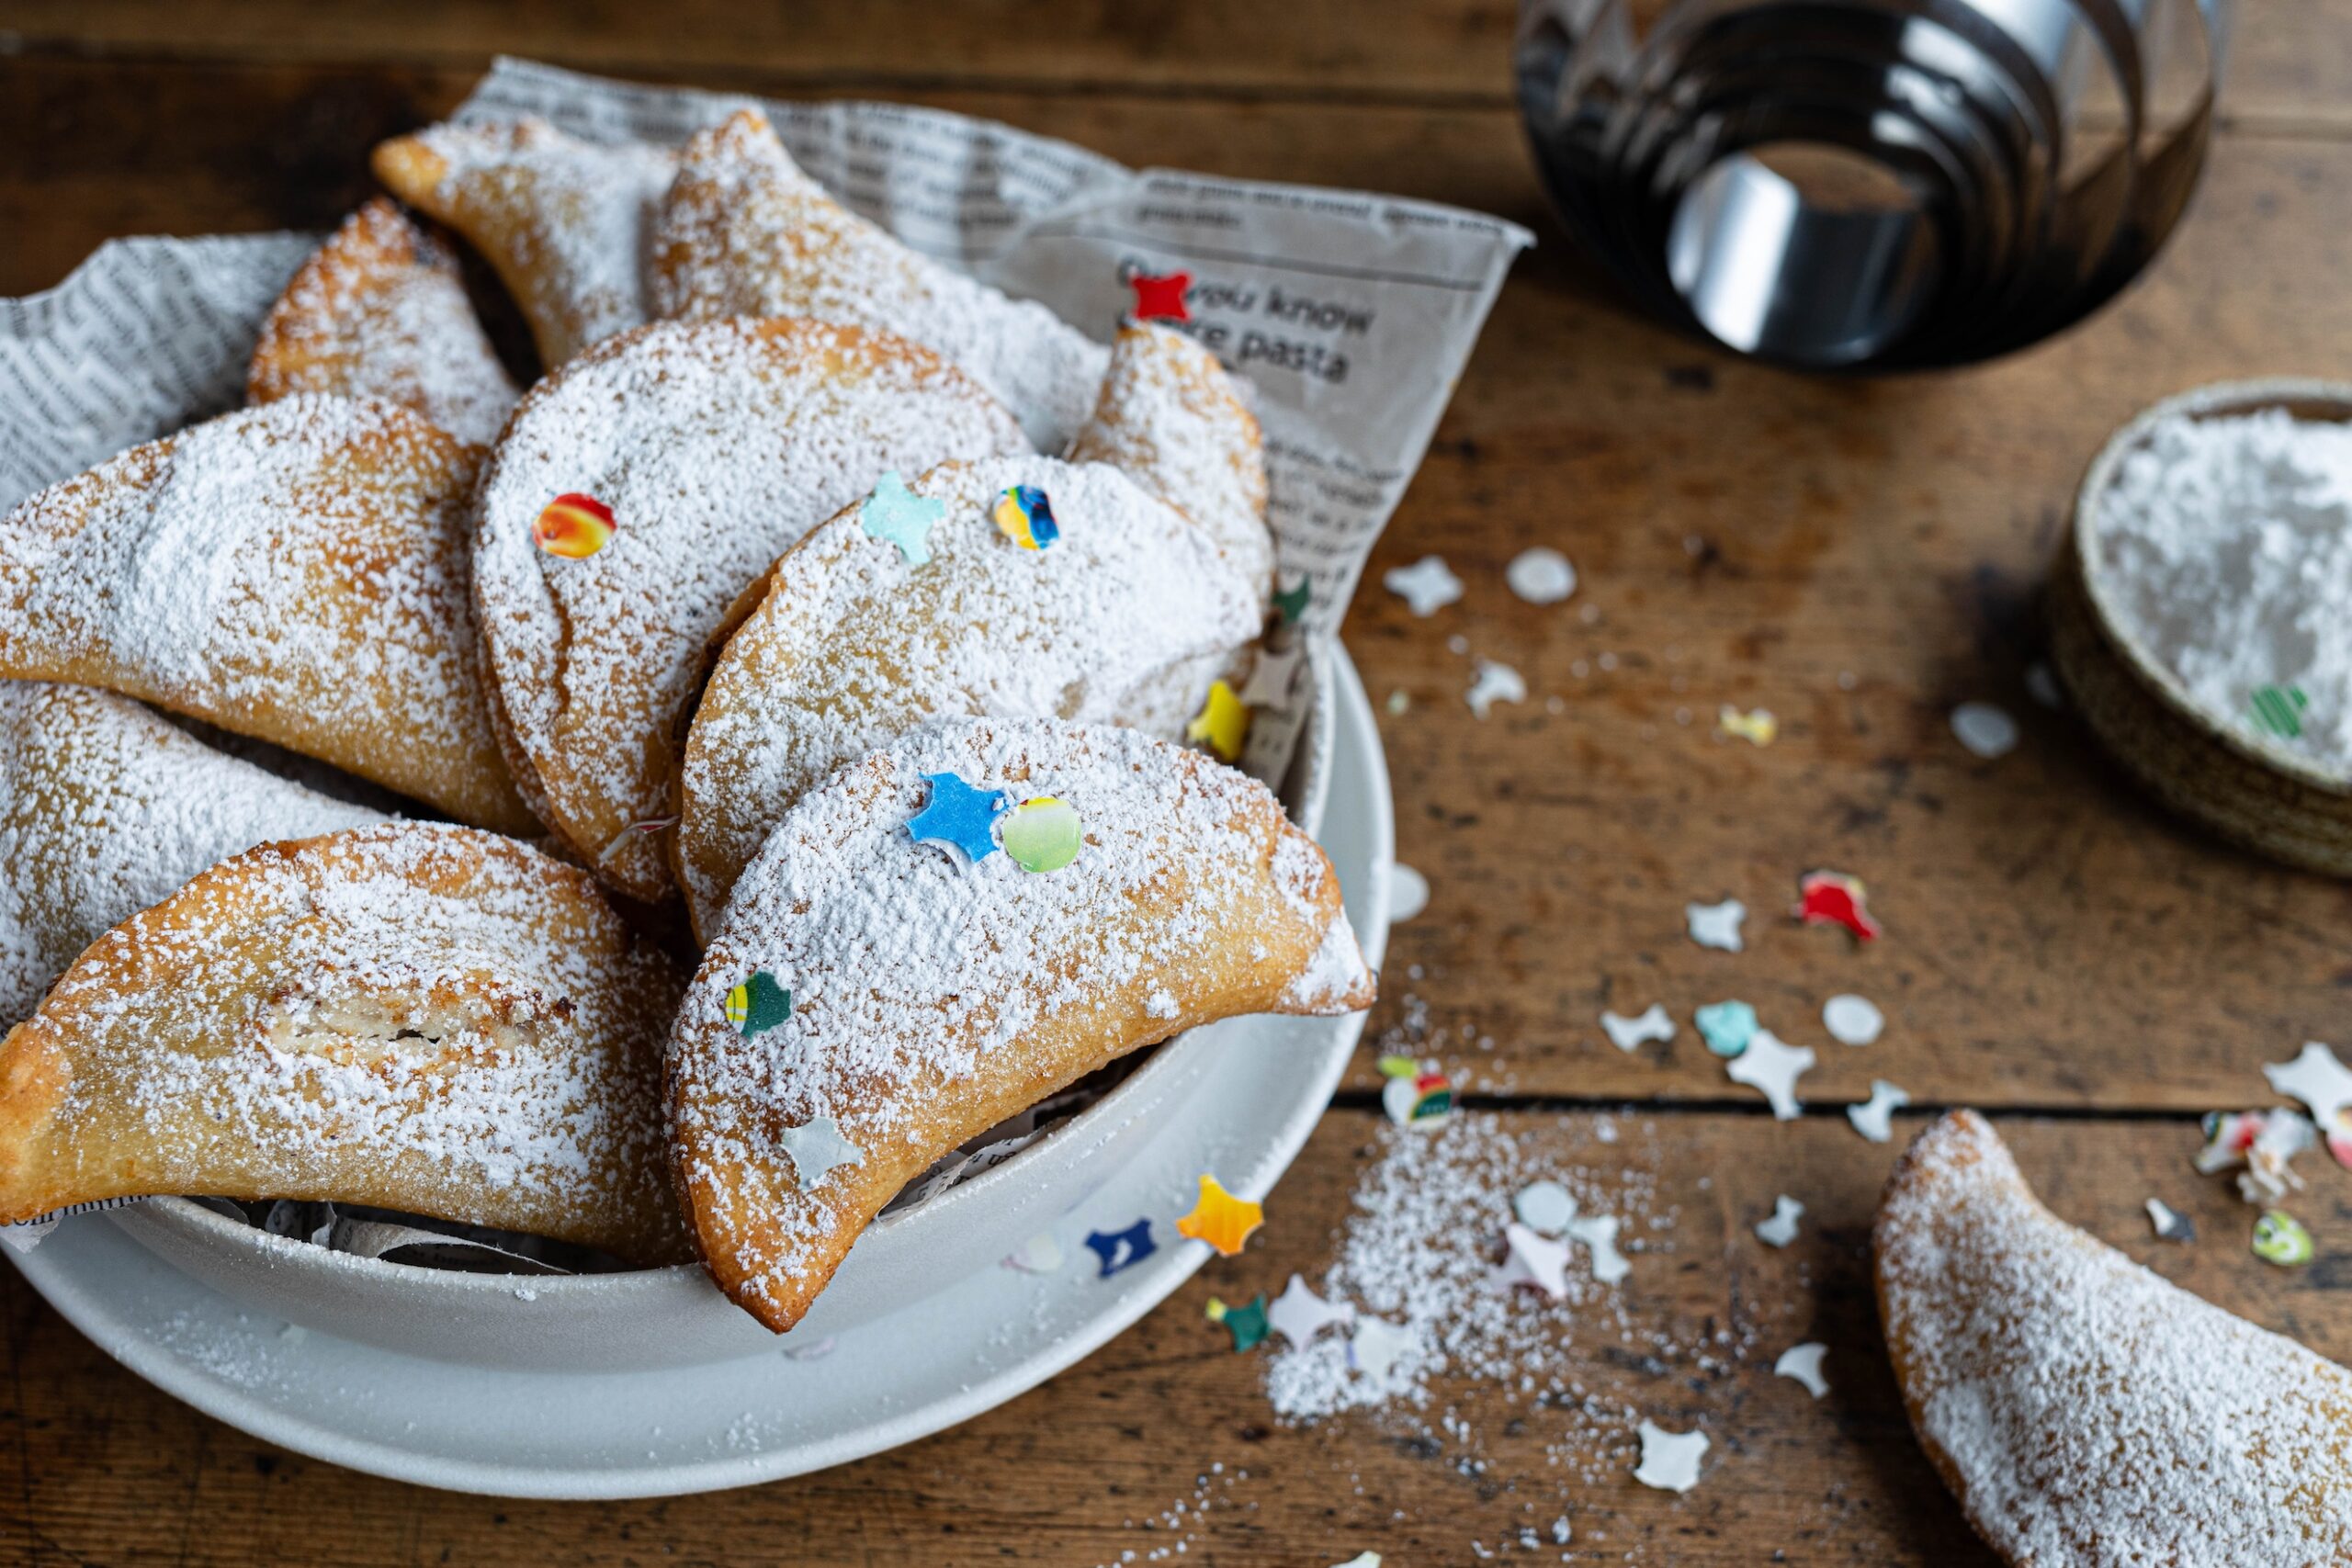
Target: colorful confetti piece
x: 1802, y: 1363
x: 1541, y: 576
x: 1121, y: 1250
x: 1376, y: 1346
x: 1545, y: 1207
x: 959, y: 818
x: 2279, y: 710
x: 1852, y: 1020
x: 1409, y: 892
x: 2281, y: 1239
x: 1160, y: 296
x: 1400, y: 1068
x: 1041, y: 1254
x: 1494, y: 682
x: 2169, y: 1224
x: 1423, y: 1100
x: 1757, y: 727
x: 896, y: 515
x: 1024, y: 515
x: 818, y: 1149
x: 1272, y: 679
x: 1042, y: 834
x: 2264, y: 1142
x: 1874, y: 1118
x: 1716, y: 925
x: 1625, y: 1034
x: 573, y: 526
x: 1531, y: 1259
x: 1247, y: 1323
x: 1291, y: 602
x: 1598, y: 1233
x: 1223, y: 722
x: 1782, y: 1228
x: 1726, y: 1027
x: 1427, y: 586
x: 757, y: 1003
x: 1833, y: 898
x: 1222, y: 1220
x: 1299, y: 1315
x: 2316, y: 1078
x: 1774, y: 1067
x: 1987, y: 731
x: 1669, y: 1460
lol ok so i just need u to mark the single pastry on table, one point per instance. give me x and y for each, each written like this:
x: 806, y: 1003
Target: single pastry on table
x: 107, y: 808
x: 380, y: 311
x: 1043, y: 590
x: 414, y: 1016
x: 2085, y: 1412
x: 635, y: 494
x: 742, y: 231
x: 295, y: 572
x: 563, y: 220
x: 1174, y: 420
x: 948, y: 931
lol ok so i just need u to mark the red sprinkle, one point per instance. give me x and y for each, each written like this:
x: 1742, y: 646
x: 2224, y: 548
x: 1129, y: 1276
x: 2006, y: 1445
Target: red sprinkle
x: 1833, y: 898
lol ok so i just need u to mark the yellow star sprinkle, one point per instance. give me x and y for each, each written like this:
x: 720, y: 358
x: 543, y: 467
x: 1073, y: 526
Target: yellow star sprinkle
x: 1224, y: 723
x: 1758, y: 728
x: 1220, y: 1218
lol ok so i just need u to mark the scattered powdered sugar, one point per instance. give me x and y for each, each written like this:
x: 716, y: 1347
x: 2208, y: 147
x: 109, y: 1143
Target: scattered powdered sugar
x: 104, y: 809
x: 1111, y: 622
x: 2093, y: 1414
x: 2225, y: 550
x: 743, y: 232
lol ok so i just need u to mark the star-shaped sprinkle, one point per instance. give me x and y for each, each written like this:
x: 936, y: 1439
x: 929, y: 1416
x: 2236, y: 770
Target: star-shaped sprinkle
x: 1041, y: 1254
x: 1428, y: 585
x: 1757, y: 728
x: 1531, y: 1259
x: 1874, y: 1118
x: 1987, y: 730
x: 1292, y: 601
x: 1726, y: 1027
x: 1494, y: 682
x: 1299, y: 1315
x: 818, y: 1149
x: 1220, y: 1218
x: 1545, y: 1207
x: 1833, y: 898
x: 1769, y: 1065
x: 1627, y: 1032
x: 1782, y: 1228
x: 896, y: 515
x: 959, y: 818
x: 1669, y: 1460
x: 1271, y: 678
x: 1246, y: 1324
x: 1802, y: 1363
x: 1716, y: 925
x: 2316, y: 1078
x: 1121, y: 1249
x: 756, y: 1003
x: 1161, y: 297
x: 1852, y: 1020
x: 1375, y: 1345
x: 2170, y: 1224
x: 2281, y: 1239
x: 1598, y: 1233
x: 1223, y: 722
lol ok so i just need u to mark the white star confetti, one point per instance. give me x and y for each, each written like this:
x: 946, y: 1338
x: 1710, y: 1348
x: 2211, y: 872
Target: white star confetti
x: 1627, y: 1032
x: 1541, y: 576
x: 1669, y: 1460
x: 1987, y: 730
x: 1376, y: 1344
x: 1041, y: 1254
x: 1271, y: 678
x: 818, y: 1149
x: 1298, y: 1314
x: 1598, y: 1233
x: 1852, y: 1020
x: 1545, y: 1207
x: 1874, y: 1118
x: 1716, y: 925
x: 2169, y: 1226
x: 1409, y: 891
x: 1532, y: 1260
x: 1495, y: 683
x: 2316, y: 1078
x: 1772, y: 1066
x: 1802, y: 1363
x: 1426, y: 585
x: 1782, y: 1228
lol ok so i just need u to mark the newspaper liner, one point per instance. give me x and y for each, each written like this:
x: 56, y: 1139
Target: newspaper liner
x: 1350, y: 315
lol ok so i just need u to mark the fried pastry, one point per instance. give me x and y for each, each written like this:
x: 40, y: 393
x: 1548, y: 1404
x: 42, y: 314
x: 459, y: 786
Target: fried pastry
x: 380, y: 311
x: 107, y: 808
x: 295, y: 572
x: 2084, y: 1411
x: 950, y: 930
x: 1171, y: 416
x: 416, y: 1016
x: 635, y: 495
x: 563, y: 220
x: 743, y: 232
x: 1050, y: 589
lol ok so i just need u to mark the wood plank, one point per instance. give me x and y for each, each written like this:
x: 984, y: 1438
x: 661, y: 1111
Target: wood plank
x: 110, y: 1470
x: 2287, y: 68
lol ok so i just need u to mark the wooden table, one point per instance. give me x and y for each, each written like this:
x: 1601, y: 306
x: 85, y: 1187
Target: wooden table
x: 1856, y: 557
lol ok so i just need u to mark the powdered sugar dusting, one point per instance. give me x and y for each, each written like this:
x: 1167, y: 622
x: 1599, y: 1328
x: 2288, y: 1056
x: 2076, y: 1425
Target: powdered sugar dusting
x: 2092, y: 1413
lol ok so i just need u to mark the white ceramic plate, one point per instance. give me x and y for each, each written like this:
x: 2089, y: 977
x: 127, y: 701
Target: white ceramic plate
x: 591, y: 1432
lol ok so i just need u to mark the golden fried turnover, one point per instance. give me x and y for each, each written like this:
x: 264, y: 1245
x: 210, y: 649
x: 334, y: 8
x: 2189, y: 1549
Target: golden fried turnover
x: 2085, y: 1410
x: 106, y: 808
x: 1174, y: 420
x: 1048, y: 590
x: 380, y: 311
x: 635, y: 494
x: 295, y: 572
x: 745, y: 232
x: 561, y: 221
x: 946, y: 932
x: 416, y: 1016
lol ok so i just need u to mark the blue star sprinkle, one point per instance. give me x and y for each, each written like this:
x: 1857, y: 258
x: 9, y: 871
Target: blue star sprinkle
x: 898, y: 515
x: 960, y: 818
x: 1121, y: 1249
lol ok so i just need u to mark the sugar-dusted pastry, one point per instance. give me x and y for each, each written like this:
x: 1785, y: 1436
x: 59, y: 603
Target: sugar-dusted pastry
x: 295, y: 572
x: 2086, y: 1413
x: 743, y: 232
x: 946, y: 932
x: 105, y: 808
x: 563, y: 220
x: 1171, y: 416
x: 635, y: 494
x: 380, y: 311
x: 415, y: 1016
x: 1046, y: 589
